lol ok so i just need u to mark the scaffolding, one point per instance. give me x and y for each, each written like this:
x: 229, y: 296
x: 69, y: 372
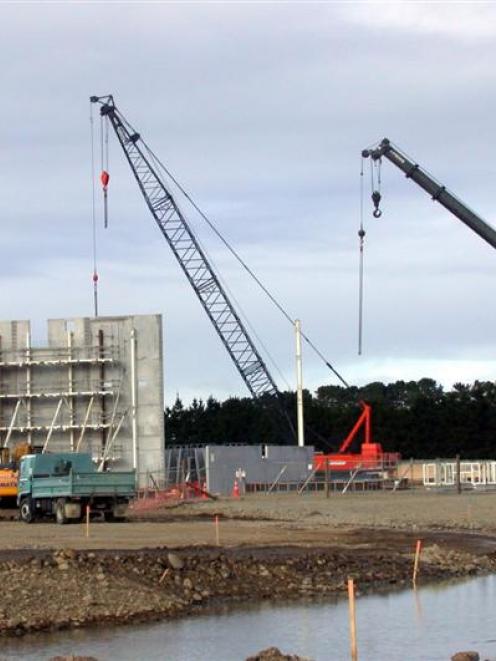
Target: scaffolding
x: 62, y: 397
x: 184, y: 464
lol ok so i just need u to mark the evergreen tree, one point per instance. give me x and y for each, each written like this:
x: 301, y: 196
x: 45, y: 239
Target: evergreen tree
x: 415, y: 418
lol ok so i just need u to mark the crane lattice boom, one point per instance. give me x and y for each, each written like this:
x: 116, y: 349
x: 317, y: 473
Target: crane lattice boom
x: 190, y: 256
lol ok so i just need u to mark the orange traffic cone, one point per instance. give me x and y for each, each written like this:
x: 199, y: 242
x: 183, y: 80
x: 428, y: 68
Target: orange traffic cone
x: 235, y: 491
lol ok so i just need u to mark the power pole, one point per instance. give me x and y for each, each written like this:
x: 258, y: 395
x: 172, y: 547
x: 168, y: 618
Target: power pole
x: 299, y: 386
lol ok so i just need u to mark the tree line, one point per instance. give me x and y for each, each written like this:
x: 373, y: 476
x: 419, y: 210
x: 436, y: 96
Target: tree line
x: 419, y: 419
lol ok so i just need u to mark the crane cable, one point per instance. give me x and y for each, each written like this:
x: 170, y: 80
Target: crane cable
x: 361, y: 235
x: 104, y: 165
x: 93, y: 207
x: 375, y: 185
x: 375, y: 165
x: 160, y: 165
x: 239, y: 259
x: 223, y: 282
x: 241, y: 312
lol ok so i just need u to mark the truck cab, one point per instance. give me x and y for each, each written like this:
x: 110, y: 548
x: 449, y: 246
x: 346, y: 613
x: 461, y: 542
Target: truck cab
x: 63, y: 485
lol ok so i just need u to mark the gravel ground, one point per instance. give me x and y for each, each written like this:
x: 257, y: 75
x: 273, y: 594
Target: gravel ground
x: 310, y: 520
x: 78, y: 589
x: 399, y: 510
x: 278, y: 547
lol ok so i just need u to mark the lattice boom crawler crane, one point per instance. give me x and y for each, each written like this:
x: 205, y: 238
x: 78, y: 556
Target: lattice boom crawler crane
x: 190, y: 256
x: 371, y: 456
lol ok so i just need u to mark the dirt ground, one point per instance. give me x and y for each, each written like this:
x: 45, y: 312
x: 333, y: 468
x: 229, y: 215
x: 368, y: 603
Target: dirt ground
x: 377, y: 521
x: 165, y: 562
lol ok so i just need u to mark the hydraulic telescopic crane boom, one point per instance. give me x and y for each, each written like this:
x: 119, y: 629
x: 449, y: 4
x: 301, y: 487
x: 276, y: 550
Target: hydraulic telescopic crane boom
x: 430, y: 185
x: 189, y: 254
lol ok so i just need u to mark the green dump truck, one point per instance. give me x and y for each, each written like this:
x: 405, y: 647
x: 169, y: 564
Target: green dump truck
x: 62, y: 485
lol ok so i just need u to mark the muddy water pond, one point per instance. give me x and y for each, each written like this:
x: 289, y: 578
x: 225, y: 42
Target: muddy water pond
x: 429, y: 624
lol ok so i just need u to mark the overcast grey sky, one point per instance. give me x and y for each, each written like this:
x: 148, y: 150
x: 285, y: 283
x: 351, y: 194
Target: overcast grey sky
x: 261, y: 110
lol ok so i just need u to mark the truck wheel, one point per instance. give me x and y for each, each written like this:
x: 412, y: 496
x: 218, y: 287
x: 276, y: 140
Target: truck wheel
x: 60, y: 516
x: 26, y: 510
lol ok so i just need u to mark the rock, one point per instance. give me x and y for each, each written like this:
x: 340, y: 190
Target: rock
x: 274, y: 654
x: 63, y: 566
x: 188, y: 584
x: 175, y: 561
x: 466, y: 656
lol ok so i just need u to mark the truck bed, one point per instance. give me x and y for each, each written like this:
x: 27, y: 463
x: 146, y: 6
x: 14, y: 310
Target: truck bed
x: 83, y: 485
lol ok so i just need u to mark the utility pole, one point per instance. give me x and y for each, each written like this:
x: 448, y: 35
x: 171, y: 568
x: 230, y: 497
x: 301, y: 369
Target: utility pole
x: 299, y: 386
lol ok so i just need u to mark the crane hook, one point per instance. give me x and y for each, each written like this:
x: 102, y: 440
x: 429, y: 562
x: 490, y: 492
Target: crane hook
x: 105, y: 178
x: 376, y: 199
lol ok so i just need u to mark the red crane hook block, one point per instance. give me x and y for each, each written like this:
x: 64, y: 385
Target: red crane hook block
x: 105, y: 178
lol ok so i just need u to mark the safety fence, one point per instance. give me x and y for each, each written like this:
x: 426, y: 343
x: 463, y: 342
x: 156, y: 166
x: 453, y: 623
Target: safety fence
x: 184, y: 479
x: 473, y: 474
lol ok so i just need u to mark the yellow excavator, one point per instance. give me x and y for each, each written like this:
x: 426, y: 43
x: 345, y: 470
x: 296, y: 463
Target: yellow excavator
x: 9, y: 462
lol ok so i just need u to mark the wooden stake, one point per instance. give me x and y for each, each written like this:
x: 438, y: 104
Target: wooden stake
x: 217, y: 531
x: 418, y: 548
x: 162, y: 578
x: 352, y: 618
x: 87, y: 520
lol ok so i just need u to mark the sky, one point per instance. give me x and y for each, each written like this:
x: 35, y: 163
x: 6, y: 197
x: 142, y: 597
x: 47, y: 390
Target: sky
x: 261, y: 110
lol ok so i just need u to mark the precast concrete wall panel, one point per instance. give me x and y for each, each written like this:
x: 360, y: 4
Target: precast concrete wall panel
x: 260, y: 464
x: 222, y: 462
x: 150, y: 395
x: 298, y: 460
x: 96, y: 387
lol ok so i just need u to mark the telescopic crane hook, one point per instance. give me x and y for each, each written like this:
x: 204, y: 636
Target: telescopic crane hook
x: 385, y: 149
x: 376, y: 193
x: 376, y: 199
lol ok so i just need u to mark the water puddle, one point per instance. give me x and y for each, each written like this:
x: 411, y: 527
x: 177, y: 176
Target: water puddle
x: 428, y: 625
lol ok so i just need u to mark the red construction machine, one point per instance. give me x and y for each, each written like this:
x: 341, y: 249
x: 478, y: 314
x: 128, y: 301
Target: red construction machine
x: 371, y: 456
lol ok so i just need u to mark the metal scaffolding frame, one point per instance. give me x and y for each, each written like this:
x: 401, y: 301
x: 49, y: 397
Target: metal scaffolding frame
x: 20, y: 401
